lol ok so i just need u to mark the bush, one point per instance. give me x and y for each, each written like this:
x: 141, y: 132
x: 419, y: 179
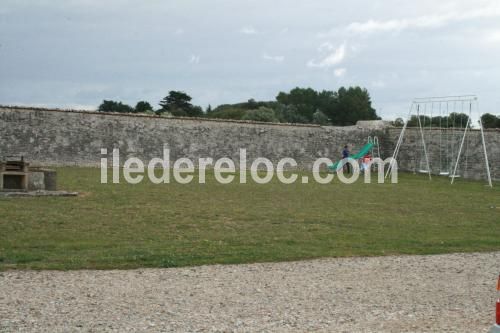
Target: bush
x: 143, y: 107
x: 261, y: 114
x: 227, y: 113
x: 320, y: 118
x: 112, y: 106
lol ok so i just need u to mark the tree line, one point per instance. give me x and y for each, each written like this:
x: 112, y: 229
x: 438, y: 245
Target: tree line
x: 456, y: 120
x: 300, y: 105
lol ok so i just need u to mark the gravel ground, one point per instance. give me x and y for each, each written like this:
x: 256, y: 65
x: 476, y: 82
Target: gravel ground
x: 439, y: 293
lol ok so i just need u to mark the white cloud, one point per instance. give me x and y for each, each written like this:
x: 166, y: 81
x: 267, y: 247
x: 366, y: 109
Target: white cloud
x: 326, y: 46
x: 378, y: 84
x: 334, y: 56
x: 248, y: 30
x: 339, y: 72
x: 423, y: 22
x: 396, y: 25
x: 266, y: 56
x: 492, y: 37
x: 178, y: 31
x: 194, y: 59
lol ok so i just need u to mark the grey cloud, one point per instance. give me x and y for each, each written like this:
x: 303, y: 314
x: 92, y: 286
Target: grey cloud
x: 63, y: 53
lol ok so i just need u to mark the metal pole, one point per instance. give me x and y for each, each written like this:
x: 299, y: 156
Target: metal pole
x: 460, y: 151
x: 376, y: 142
x: 400, y: 141
x: 396, y: 149
x: 425, y: 148
x: 484, y: 149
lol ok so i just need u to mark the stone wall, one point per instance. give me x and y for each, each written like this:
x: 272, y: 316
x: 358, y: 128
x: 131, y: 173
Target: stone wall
x: 57, y: 137
x: 75, y: 138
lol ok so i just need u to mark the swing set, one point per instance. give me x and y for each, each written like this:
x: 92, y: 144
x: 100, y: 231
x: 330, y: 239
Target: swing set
x: 452, y: 117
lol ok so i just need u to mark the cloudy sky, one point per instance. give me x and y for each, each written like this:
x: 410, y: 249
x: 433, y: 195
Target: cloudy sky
x: 75, y: 53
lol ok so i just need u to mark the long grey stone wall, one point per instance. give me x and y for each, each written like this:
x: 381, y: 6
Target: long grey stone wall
x: 56, y: 137
x: 75, y: 138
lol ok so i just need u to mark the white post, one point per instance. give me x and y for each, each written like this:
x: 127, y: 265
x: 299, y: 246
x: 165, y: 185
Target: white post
x: 425, y: 147
x: 460, y: 151
x: 400, y: 141
x: 485, y: 153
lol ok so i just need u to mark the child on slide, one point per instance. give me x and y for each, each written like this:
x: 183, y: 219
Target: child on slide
x: 366, y: 162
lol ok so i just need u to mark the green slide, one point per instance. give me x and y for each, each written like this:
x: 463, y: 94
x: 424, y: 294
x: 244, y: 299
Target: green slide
x: 365, y: 150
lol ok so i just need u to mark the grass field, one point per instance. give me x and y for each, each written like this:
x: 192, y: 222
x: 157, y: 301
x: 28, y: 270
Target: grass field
x: 146, y: 225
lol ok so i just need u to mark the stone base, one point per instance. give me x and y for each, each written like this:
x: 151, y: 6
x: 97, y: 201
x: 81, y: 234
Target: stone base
x: 42, y: 179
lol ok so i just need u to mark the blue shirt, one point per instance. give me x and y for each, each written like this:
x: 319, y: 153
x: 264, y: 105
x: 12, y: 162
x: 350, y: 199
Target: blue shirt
x: 345, y: 153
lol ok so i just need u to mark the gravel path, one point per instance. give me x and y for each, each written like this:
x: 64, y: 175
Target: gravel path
x: 440, y: 293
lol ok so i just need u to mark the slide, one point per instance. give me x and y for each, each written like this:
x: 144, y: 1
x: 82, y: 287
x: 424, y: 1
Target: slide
x: 365, y: 150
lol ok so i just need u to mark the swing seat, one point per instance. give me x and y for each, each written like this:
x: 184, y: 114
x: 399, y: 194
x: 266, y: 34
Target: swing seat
x: 423, y: 171
x: 444, y: 173
x: 456, y: 176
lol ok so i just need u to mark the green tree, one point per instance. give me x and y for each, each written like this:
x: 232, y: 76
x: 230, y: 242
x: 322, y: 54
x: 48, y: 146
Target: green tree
x: 178, y: 103
x: 305, y: 101
x: 343, y: 107
x: 398, y: 122
x: 289, y: 114
x: 195, y: 111
x: 112, y: 106
x: 143, y: 107
x: 490, y: 121
x: 453, y: 120
x: 176, y: 99
x: 424, y: 121
x: 458, y: 120
x: 252, y: 104
x: 352, y: 104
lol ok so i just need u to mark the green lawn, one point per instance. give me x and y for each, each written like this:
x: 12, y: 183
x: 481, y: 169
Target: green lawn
x: 146, y: 225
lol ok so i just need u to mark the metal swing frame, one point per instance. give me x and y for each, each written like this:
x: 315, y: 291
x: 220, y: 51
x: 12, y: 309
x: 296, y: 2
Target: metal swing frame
x: 415, y: 105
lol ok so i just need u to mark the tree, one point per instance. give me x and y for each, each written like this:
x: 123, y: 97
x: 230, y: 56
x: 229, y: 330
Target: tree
x: 343, y: 107
x: 490, y: 121
x: 424, y: 121
x: 209, y: 109
x: 176, y: 100
x: 112, y: 106
x: 261, y: 114
x: 351, y: 105
x: 252, y: 104
x: 458, y: 120
x: 453, y: 120
x: 143, y: 107
x: 178, y: 103
x: 305, y: 101
x: 399, y: 122
x: 195, y: 111
x: 289, y: 114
